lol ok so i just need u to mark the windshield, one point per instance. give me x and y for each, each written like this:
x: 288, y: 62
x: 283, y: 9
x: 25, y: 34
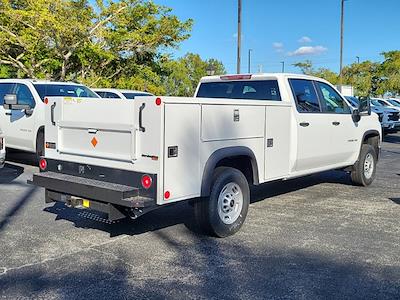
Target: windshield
x: 394, y: 102
x: 376, y: 102
x: 64, y: 90
x: 133, y: 95
x: 353, y: 101
x: 252, y: 90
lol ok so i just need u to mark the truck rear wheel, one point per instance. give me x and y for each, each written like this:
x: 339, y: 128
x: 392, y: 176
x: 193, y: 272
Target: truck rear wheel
x: 364, y: 170
x: 225, y: 211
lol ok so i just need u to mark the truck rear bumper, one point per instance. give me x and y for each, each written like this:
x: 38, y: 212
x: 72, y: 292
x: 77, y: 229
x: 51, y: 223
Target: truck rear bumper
x: 117, y: 200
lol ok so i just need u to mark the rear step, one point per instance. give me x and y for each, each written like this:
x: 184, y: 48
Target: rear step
x: 92, y: 189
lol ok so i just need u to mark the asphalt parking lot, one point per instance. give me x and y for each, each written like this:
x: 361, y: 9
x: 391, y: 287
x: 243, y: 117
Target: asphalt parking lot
x: 311, y: 238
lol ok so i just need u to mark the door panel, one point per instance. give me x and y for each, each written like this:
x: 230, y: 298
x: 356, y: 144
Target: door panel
x: 342, y: 129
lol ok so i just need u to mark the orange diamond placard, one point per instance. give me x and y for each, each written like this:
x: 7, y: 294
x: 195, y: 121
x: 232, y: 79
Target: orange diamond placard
x: 94, y: 142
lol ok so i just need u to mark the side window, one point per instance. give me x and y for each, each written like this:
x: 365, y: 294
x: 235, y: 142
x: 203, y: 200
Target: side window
x: 24, y: 95
x: 331, y: 101
x: 101, y: 94
x: 305, y: 95
x: 5, y: 88
x: 111, y: 95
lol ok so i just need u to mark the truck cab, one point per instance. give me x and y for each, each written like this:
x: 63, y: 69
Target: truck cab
x: 23, y: 121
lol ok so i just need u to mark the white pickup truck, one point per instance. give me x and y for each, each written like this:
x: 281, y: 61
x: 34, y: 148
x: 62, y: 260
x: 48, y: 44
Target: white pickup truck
x: 126, y: 158
x: 23, y: 121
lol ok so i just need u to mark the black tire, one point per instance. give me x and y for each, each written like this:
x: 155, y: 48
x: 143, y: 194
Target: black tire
x: 358, y: 174
x: 206, y: 210
x: 40, y: 144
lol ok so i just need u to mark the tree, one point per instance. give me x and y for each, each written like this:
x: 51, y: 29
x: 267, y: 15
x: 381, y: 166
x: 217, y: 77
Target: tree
x: 73, y: 39
x: 307, y: 68
x: 390, y: 72
x: 182, y: 76
x: 364, y: 77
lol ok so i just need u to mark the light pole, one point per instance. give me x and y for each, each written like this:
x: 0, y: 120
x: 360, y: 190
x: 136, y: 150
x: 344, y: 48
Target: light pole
x: 239, y: 33
x: 283, y: 66
x: 341, y: 40
x: 249, y: 69
x: 358, y: 59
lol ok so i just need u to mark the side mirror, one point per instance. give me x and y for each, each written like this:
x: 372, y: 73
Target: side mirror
x: 356, y: 116
x: 364, y: 106
x: 11, y: 102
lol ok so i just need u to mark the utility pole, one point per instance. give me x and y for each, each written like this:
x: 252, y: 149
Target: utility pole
x: 239, y: 33
x: 283, y: 66
x: 358, y: 59
x: 341, y: 40
x: 249, y: 69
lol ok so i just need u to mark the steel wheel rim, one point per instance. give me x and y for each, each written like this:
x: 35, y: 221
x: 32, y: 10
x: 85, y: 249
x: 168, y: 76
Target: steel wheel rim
x: 230, y: 203
x: 368, y: 166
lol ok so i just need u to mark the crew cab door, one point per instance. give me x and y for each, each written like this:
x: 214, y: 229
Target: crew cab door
x: 313, y: 139
x: 343, y: 130
x: 18, y: 126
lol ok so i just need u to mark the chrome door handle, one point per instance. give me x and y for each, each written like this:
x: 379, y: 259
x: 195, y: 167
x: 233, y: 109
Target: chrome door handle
x: 304, y: 124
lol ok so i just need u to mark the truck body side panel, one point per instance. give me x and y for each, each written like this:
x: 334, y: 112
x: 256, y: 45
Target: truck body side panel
x: 224, y: 122
x: 277, y: 142
x: 182, y: 178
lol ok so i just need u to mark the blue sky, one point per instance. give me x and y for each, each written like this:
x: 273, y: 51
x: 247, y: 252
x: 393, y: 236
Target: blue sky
x: 289, y: 30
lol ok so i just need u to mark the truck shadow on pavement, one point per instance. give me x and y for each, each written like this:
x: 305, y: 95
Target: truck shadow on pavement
x: 202, y: 268
x: 182, y: 212
x: 9, y: 173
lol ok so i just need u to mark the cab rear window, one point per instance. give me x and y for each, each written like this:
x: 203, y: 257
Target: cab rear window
x: 251, y: 89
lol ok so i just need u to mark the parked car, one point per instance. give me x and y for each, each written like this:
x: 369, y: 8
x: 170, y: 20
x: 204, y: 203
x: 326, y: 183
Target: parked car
x: 394, y: 102
x: 386, y: 103
x: 385, y: 114
x: 23, y: 127
x: 2, y: 149
x: 120, y: 94
x: 393, y: 114
x: 130, y: 157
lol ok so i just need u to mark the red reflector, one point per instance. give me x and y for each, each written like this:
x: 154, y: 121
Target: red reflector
x: 235, y: 77
x: 146, y: 181
x: 46, y: 100
x: 167, y: 194
x: 158, y: 101
x: 43, y: 164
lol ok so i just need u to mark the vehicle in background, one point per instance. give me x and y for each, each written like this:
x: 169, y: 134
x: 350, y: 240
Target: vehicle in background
x: 2, y: 149
x: 22, y: 106
x: 126, y: 158
x: 385, y: 103
x: 391, y: 119
x: 120, y: 94
x: 394, y: 102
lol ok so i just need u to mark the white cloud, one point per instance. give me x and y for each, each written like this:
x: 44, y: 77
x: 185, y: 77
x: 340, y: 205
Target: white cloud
x: 278, y: 46
x: 305, y: 40
x: 308, y: 50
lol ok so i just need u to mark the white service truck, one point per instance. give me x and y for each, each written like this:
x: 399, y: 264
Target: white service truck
x: 23, y: 125
x: 126, y: 158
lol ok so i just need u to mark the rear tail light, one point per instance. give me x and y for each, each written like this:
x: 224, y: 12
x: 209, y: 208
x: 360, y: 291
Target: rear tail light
x: 43, y: 164
x: 146, y: 181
